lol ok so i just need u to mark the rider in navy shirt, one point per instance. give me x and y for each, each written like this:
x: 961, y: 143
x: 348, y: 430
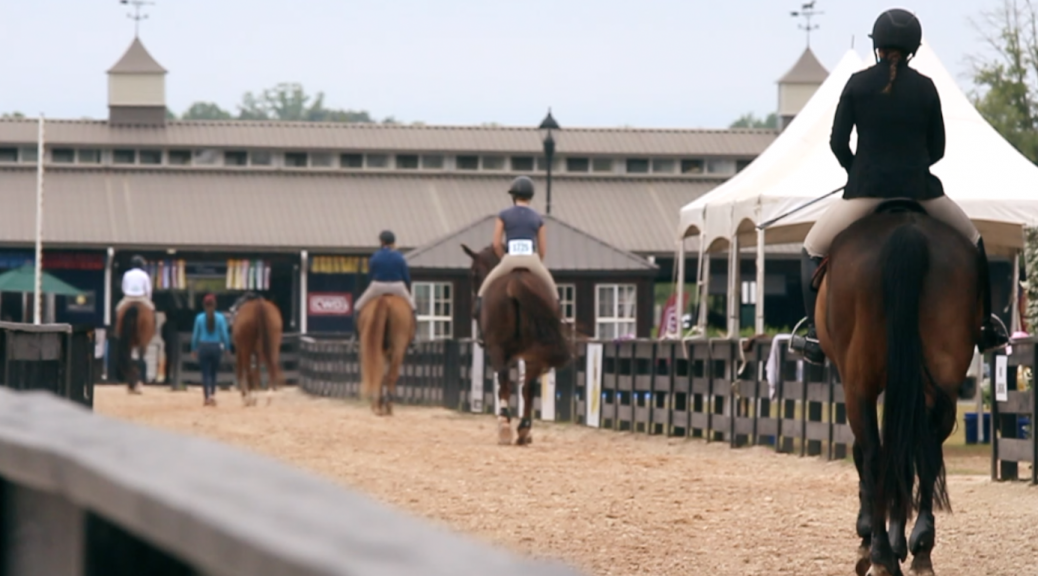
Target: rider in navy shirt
x: 388, y: 274
x: 519, y: 240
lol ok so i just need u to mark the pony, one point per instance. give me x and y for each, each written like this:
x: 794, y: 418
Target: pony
x: 134, y: 328
x: 256, y: 331
x: 899, y: 311
x: 386, y: 329
x: 520, y: 322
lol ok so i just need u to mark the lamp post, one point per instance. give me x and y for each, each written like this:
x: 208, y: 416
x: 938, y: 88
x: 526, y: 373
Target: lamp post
x: 546, y: 127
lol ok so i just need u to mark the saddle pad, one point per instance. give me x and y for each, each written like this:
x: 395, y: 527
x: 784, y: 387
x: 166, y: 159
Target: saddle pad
x: 816, y: 278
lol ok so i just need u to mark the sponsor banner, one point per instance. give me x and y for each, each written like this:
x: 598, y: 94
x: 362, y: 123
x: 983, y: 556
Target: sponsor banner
x: 330, y: 304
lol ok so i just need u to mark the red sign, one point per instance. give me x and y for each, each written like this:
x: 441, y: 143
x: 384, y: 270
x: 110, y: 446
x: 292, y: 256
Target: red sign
x: 330, y: 304
x: 670, y: 319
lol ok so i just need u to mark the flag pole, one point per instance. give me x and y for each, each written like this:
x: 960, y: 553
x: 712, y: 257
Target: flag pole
x: 37, y: 295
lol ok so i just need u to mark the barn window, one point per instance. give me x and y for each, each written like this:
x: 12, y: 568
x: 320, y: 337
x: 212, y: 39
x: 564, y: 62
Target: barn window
x: 568, y: 301
x: 124, y: 156
x: 407, y: 161
x: 235, y: 158
x: 615, y: 310
x: 351, y: 160
x: 63, y: 155
x: 602, y: 165
x: 89, y: 156
x: 180, y: 157
x: 637, y: 166
x: 522, y: 163
x: 435, y: 313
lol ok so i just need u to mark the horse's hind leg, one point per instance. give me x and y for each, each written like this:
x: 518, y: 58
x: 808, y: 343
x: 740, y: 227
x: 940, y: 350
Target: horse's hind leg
x: 865, y: 497
x: 921, y: 543
x: 504, y: 419
x: 530, y: 374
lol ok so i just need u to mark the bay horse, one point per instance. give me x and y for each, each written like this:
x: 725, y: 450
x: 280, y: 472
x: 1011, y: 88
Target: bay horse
x: 256, y: 332
x: 134, y: 328
x: 386, y: 329
x: 899, y: 311
x: 520, y: 322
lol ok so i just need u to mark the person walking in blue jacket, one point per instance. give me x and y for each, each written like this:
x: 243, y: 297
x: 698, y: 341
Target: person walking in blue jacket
x: 208, y: 342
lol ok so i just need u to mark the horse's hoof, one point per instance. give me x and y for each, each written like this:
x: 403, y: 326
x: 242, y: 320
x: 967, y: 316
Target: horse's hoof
x: 525, y: 437
x: 504, y: 431
x: 862, y: 567
x: 877, y: 570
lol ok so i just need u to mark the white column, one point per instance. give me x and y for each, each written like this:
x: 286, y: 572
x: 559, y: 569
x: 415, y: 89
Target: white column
x: 303, y: 308
x: 1014, y: 317
x: 109, y: 262
x: 734, y: 291
x: 759, y: 324
x: 681, y: 286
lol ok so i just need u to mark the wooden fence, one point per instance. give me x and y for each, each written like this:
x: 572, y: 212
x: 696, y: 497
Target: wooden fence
x: 718, y: 390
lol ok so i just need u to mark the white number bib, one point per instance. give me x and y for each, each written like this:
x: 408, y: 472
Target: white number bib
x: 521, y: 247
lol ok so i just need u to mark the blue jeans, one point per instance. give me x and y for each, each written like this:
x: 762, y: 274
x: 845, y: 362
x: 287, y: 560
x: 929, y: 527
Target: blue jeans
x: 209, y: 355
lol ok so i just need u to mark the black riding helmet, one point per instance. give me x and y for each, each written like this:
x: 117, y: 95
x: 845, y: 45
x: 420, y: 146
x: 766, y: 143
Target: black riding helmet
x: 137, y: 262
x: 897, y: 28
x: 387, y: 238
x: 522, y: 187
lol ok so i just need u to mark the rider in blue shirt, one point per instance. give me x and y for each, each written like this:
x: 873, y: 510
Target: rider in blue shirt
x: 388, y: 274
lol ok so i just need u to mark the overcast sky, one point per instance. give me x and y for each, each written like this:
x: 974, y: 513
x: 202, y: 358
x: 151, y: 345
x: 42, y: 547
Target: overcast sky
x: 646, y: 63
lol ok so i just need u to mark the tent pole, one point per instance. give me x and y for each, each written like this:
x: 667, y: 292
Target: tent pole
x: 759, y: 313
x: 733, y: 287
x: 703, y: 284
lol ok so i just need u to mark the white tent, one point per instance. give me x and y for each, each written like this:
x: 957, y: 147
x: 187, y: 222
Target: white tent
x: 982, y: 172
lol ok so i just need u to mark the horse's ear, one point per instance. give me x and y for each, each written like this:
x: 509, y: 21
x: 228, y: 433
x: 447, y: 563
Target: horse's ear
x: 469, y: 251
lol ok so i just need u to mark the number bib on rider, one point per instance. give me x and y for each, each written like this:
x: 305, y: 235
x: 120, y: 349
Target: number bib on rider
x: 520, y: 247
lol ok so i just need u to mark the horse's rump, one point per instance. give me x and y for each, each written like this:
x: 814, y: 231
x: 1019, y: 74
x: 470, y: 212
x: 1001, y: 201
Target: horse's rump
x: 537, y: 319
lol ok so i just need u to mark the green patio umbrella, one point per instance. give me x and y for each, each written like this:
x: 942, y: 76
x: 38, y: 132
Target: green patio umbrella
x: 24, y: 280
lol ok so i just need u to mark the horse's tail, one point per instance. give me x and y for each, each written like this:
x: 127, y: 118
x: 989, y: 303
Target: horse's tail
x: 127, y: 334
x: 909, y: 447
x: 372, y: 347
x: 541, y: 323
x: 264, y: 344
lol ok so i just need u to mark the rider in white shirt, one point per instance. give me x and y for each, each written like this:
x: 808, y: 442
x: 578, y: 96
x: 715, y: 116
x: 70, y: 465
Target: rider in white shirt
x: 136, y: 285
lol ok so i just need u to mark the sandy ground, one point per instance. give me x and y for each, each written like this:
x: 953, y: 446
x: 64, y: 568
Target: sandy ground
x: 608, y: 503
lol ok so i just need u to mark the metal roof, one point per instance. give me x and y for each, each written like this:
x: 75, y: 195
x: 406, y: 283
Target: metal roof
x: 137, y: 60
x: 360, y: 137
x: 569, y: 249
x: 807, y: 70
x: 339, y: 212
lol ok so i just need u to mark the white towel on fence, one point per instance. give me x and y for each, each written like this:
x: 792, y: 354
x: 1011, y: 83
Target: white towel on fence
x: 772, y: 370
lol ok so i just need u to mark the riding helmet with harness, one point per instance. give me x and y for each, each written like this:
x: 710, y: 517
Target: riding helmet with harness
x: 897, y: 29
x: 521, y: 187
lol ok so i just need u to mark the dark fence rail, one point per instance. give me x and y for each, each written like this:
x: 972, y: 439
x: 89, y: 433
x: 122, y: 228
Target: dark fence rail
x: 1014, y: 410
x: 85, y: 495
x: 742, y: 393
x: 58, y: 358
x: 187, y: 371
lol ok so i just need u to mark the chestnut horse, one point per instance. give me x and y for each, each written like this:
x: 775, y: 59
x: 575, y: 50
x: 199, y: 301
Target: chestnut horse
x: 386, y: 329
x: 135, y: 327
x: 256, y: 332
x: 520, y: 322
x: 899, y: 310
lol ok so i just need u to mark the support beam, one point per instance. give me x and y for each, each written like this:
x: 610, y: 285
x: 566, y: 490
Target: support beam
x: 759, y: 312
x: 303, y: 298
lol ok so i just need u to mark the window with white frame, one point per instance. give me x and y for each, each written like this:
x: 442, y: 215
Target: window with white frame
x: 615, y: 310
x: 568, y: 301
x: 435, y: 304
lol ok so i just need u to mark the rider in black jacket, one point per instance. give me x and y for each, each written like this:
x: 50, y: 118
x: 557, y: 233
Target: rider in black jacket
x: 897, y: 112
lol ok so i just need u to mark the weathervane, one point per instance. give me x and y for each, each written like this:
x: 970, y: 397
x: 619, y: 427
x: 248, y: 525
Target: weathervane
x: 807, y: 11
x: 137, y: 16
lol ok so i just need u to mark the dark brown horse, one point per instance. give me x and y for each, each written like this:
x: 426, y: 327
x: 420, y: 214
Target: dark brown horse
x: 899, y: 312
x: 386, y: 328
x: 256, y: 333
x: 520, y: 322
x: 135, y: 327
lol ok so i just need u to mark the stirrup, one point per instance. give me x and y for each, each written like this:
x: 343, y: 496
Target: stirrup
x: 796, y: 343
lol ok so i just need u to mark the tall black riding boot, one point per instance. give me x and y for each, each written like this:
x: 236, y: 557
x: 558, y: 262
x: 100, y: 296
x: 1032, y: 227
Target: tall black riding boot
x: 809, y: 345
x: 992, y: 334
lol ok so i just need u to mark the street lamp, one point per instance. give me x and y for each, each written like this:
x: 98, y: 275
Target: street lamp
x: 547, y: 125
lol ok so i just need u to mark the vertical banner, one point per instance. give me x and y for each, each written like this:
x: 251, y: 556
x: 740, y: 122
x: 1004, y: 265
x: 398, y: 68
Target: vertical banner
x: 593, y: 386
x: 478, y: 377
x: 548, y: 395
x: 1001, y: 379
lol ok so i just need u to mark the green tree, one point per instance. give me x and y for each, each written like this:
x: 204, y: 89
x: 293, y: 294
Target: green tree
x: 288, y: 101
x: 13, y: 116
x: 749, y: 120
x: 1006, y: 79
x: 206, y: 111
